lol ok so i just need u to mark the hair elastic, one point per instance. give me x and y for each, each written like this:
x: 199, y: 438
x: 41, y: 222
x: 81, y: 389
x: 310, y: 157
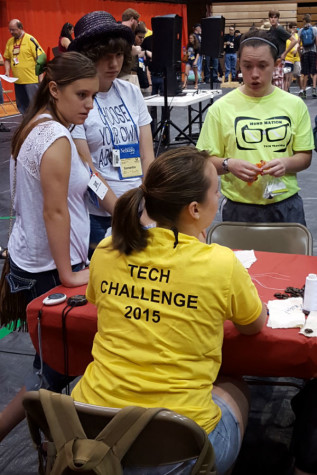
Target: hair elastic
x: 260, y: 39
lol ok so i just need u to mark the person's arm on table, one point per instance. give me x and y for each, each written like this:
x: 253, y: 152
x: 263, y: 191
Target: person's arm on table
x: 109, y: 201
x: 246, y: 310
x: 55, y: 172
x: 256, y: 326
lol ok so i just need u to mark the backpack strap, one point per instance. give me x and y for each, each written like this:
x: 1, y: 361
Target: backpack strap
x: 73, y: 448
x: 61, y: 416
x: 126, y: 425
x: 205, y: 464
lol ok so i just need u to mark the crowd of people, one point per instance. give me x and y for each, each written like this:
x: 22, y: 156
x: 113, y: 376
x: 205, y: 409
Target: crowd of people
x: 86, y: 120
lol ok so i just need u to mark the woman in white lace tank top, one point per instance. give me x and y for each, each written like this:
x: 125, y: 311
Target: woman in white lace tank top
x: 50, y: 236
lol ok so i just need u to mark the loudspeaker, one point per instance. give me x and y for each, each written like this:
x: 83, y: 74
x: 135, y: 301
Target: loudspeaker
x: 212, y: 36
x: 166, y: 52
x: 167, y: 40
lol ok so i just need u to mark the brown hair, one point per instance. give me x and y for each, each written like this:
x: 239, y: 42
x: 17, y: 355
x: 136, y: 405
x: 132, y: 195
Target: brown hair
x: 307, y: 18
x: 64, y: 69
x: 140, y: 29
x: 174, y: 179
x: 256, y: 41
x: 273, y: 13
x: 196, y: 41
x: 128, y: 13
x: 95, y: 50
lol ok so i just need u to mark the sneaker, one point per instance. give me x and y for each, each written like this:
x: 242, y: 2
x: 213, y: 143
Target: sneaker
x: 302, y: 94
x: 314, y: 93
x: 3, y: 128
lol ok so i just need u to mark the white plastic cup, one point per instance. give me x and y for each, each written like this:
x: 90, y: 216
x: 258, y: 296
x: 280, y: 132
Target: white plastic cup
x: 310, y: 294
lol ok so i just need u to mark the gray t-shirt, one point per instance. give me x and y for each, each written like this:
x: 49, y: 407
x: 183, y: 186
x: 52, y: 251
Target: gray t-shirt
x: 306, y: 49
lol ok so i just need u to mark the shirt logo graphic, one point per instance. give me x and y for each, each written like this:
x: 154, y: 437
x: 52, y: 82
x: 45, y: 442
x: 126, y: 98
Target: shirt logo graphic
x: 273, y: 133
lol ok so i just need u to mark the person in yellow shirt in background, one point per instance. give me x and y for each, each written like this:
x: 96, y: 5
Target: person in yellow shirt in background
x: 21, y: 56
x: 292, y: 60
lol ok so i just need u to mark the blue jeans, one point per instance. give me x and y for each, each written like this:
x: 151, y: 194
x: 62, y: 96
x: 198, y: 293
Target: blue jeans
x: 157, y: 84
x: 98, y: 228
x: 199, y: 65
x: 215, y: 63
x: 33, y: 285
x: 230, y: 63
x: 225, y: 439
x: 24, y: 94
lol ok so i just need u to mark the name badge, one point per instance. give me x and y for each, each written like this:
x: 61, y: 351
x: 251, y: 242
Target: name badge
x: 116, y: 157
x: 130, y: 161
x: 97, y: 186
x: 16, y: 49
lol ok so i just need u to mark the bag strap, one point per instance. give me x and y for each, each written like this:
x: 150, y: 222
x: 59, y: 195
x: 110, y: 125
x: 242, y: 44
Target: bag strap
x: 118, y: 434
x: 62, y: 417
x: 73, y: 448
x: 205, y: 464
x: 124, y: 428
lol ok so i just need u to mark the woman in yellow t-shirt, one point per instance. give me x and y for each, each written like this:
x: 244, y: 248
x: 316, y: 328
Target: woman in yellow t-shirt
x: 292, y: 60
x: 162, y: 297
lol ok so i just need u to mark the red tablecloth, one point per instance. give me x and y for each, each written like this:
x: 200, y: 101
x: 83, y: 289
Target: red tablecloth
x: 272, y: 352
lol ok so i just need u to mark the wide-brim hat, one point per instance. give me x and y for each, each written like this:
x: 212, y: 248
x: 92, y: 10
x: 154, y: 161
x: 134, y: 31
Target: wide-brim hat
x: 100, y: 26
x: 266, y: 26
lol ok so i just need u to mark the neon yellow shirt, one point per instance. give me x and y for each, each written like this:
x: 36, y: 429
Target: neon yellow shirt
x: 25, y: 68
x: 290, y: 55
x: 255, y: 129
x: 160, y: 324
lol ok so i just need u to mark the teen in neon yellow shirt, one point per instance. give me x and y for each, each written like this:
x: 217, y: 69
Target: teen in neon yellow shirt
x: 257, y: 122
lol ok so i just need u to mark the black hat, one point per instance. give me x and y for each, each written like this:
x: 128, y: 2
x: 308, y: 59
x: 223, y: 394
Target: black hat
x: 98, y: 25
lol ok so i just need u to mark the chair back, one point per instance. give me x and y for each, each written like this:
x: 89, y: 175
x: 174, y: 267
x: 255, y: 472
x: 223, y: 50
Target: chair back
x: 167, y: 438
x: 289, y: 238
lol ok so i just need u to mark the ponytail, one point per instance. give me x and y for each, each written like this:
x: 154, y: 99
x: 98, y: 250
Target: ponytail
x: 127, y: 232
x: 173, y: 180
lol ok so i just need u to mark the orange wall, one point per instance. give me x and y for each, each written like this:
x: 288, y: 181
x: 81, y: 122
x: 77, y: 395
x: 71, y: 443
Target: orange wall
x: 44, y: 19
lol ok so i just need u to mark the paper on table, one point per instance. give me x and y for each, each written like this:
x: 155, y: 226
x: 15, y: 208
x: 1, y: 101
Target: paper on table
x: 310, y: 328
x: 7, y: 78
x: 247, y: 258
x: 286, y: 313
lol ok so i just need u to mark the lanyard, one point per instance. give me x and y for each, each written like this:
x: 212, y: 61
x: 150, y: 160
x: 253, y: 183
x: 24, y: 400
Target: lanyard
x: 105, y: 118
x: 17, y: 46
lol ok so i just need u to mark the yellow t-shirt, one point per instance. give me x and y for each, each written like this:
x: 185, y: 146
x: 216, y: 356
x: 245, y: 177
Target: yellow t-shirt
x: 23, y: 63
x: 255, y: 129
x: 160, y: 324
x: 290, y: 58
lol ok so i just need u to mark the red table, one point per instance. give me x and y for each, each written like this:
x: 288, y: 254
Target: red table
x: 272, y: 352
